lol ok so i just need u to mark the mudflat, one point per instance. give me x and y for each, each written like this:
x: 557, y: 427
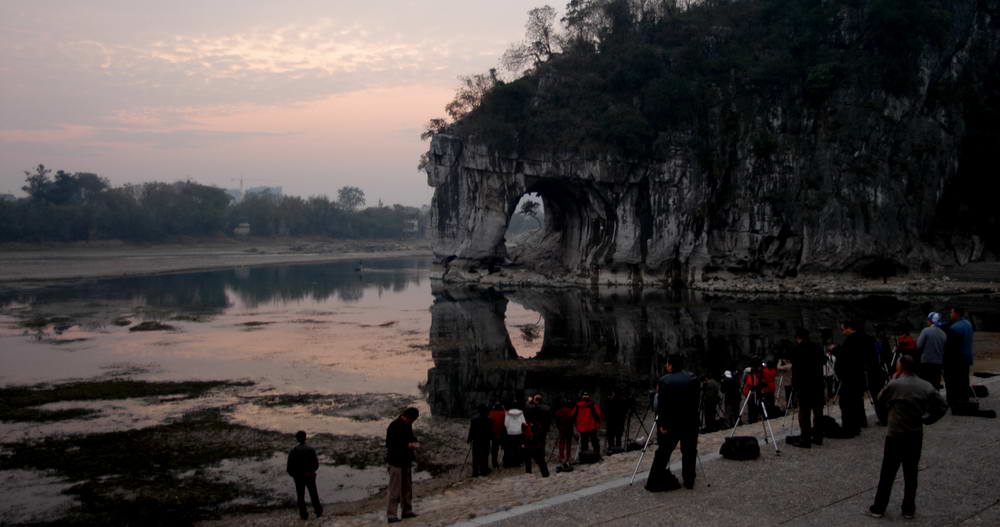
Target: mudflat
x: 33, y: 263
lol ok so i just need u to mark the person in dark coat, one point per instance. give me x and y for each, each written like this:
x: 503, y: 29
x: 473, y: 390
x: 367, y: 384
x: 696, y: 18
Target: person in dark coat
x: 677, y: 422
x: 731, y: 396
x: 539, y: 419
x: 615, y: 411
x: 808, y: 385
x: 400, y: 445
x: 302, y: 466
x: 850, y: 366
x: 480, y: 437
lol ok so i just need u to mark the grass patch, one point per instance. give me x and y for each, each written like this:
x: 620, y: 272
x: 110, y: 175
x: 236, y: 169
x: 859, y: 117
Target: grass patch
x: 131, y: 477
x: 16, y: 402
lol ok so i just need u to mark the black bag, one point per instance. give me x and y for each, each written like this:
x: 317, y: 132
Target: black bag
x: 740, y: 448
x: 589, y: 456
x: 978, y: 390
x: 831, y: 428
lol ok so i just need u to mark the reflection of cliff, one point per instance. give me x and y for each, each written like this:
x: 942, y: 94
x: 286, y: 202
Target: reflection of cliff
x: 596, y: 341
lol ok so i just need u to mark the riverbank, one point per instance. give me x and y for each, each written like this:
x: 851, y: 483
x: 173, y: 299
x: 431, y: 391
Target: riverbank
x: 25, y: 265
x: 453, y: 498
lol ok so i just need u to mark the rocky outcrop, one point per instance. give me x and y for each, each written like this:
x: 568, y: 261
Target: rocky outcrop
x: 868, y: 182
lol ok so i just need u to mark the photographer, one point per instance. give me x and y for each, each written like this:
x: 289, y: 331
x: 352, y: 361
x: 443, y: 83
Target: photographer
x: 807, y: 360
x: 852, y: 357
x: 677, y: 422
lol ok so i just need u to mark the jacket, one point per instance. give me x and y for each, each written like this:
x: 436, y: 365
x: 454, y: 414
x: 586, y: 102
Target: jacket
x: 588, y: 416
x: 480, y: 429
x: 498, y: 417
x: 910, y: 403
x: 398, y: 437
x: 853, y: 355
x: 931, y: 344
x: 769, y: 375
x: 565, y: 421
x: 679, y: 402
x: 960, y: 337
x: 514, y: 421
x: 808, y: 361
x: 539, y: 417
x: 302, y: 460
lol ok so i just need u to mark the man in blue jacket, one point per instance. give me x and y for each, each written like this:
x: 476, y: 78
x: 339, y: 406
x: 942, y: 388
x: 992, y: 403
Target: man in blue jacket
x: 677, y: 421
x: 958, y: 359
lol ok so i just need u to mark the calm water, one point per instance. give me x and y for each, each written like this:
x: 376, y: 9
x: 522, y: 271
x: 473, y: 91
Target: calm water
x: 329, y: 329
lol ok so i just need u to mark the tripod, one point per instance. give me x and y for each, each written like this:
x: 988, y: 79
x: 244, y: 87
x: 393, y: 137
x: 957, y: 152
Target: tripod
x: 765, y: 423
x: 652, y: 431
x: 628, y: 423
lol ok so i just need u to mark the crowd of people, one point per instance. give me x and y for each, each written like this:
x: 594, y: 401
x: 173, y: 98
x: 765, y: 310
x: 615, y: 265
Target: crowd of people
x: 901, y: 381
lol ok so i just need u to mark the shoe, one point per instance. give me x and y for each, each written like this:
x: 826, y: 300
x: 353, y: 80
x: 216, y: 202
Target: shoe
x: 873, y: 513
x: 798, y: 441
x: 689, y: 485
x: 907, y: 515
x: 393, y: 520
x: 408, y: 515
x: 818, y: 441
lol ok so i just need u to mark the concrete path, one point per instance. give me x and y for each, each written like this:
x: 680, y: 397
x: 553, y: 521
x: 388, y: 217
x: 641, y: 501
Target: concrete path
x: 824, y: 486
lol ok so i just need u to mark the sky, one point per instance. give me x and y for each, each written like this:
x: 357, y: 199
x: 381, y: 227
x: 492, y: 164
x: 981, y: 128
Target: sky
x: 307, y: 95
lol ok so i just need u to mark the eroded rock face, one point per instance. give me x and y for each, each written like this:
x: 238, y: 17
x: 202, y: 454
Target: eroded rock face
x: 867, y: 180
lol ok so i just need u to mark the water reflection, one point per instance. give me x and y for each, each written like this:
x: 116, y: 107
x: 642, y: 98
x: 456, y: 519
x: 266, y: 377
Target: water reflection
x: 594, y: 341
x: 211, y: 292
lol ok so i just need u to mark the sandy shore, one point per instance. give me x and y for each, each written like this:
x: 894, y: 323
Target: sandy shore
x: 23, y: 265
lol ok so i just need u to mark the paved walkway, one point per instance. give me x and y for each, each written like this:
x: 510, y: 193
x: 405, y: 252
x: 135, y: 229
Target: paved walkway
x: 828, y: 485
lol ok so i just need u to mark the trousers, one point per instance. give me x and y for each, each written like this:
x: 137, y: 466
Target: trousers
x: 666, y: 443
x: 303, y: 482
x: 400, y: 490
x: 905, y: 451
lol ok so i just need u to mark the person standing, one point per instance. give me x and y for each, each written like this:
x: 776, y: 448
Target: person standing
x: 959, y: 357
x: 909, y: 402
x: 400, y: 445
x: 676, y: 422
x: 769, y: 378
x: 538, y: 417
x: 785, y: 374
x: 711, y: 395
x: 497, y: 416
x: 850, y: 368
x: 565, y: 423
x: 615, y: 410
x: 588, y: 422
x: 807, y: 360
x: 302, y: 466
x: 480, y: 436
x: 514, y: 434
x: 930, y: 347
x: 731, y: 397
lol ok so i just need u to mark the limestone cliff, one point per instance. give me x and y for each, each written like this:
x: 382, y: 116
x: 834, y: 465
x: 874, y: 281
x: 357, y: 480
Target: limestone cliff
x: 777, y: 185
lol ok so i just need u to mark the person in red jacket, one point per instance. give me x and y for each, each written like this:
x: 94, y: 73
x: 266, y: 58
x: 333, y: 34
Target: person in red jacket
x: 588, y: 422
x: 769, y: 375
x: 565, y: 421
x: 497, y: 416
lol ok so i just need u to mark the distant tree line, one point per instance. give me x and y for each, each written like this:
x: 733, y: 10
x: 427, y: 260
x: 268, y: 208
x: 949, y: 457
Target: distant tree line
x: 83, y: 206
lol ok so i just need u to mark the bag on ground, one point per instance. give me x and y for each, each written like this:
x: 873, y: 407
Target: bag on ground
x: 740, y: 448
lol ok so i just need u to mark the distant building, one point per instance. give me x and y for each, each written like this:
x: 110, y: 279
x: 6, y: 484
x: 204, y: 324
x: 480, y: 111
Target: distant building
x: 242, y: 229
x: 411, y: 226
x: 274, y: 192
x: 8, y: 197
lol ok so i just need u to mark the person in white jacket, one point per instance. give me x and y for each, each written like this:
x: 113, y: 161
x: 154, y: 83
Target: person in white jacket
x: 513, y: 422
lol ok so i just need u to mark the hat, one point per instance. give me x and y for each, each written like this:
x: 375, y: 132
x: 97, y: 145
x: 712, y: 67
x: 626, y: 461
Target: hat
x: 728, y: 374
x: 935, y: 318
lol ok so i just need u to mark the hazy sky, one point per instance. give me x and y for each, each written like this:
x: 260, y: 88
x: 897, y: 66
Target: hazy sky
x: 308, y: 95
